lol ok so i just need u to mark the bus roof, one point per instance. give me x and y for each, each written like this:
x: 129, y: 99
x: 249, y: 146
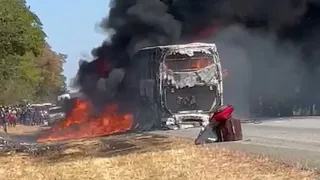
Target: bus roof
x: 211, y: 46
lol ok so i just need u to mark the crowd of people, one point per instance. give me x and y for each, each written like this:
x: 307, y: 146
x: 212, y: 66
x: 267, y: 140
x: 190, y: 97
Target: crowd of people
x: 22, y: 114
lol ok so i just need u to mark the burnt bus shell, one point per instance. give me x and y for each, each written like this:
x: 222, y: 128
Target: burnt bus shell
x: 149, y: 89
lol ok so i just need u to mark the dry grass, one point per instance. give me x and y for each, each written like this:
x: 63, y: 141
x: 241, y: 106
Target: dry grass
x: 21, y: 129
x: 137, y: 157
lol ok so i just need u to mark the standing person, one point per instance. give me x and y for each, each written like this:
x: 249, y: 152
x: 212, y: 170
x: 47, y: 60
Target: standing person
x: 23, y: 116
x: 7, y: 111
x: 42, y: 116
x: 33, y: 116
x: 28, y: 115
x: 19, y: 114
x: 3, y: 119
x: 12, y: 117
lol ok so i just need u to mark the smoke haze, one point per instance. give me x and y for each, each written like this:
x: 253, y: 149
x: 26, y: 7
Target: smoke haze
x: 267, y: 46
x: 257, y: 64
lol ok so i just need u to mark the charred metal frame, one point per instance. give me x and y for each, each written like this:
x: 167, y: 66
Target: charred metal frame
x: 149, y: 63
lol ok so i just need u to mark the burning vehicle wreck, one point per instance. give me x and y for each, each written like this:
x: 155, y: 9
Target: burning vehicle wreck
x: 179, y: 86
x: 174, y: 86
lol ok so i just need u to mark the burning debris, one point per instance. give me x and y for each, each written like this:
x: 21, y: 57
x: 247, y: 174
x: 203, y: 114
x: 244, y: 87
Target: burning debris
x: 94, y: 147
x: 79, y: 123
x: 8, y: 146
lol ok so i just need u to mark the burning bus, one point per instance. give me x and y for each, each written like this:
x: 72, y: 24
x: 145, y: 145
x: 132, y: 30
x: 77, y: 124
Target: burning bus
x: 177, y: 86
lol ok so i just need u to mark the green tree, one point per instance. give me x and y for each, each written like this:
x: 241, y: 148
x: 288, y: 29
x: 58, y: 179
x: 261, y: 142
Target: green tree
x: 21, y: 41
x: 52, y: 81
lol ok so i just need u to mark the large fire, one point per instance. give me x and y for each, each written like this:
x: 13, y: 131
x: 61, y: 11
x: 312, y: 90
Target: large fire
x: 200, y: 63
x: 80, y: 124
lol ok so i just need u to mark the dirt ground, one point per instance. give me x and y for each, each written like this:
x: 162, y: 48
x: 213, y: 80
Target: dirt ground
x: 142, y: 157
x: 23, y: 130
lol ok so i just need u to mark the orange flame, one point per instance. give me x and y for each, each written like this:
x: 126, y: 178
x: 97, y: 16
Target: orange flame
x: 199, y: 64
x: 78, y: 124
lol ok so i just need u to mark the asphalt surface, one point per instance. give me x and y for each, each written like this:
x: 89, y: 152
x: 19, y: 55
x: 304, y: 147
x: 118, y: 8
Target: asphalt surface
x: 292, y: 140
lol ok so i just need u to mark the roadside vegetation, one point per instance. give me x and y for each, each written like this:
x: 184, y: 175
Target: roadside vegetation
x: 29, y: 68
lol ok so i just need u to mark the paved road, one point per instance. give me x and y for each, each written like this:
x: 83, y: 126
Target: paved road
x: 293, y: 140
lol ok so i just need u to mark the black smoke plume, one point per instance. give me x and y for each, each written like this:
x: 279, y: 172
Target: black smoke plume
x: 134, y: 24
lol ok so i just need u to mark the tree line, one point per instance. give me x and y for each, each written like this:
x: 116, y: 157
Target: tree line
x: 29, y: 69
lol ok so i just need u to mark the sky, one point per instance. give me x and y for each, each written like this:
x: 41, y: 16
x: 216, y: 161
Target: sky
x: 71, y: 27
